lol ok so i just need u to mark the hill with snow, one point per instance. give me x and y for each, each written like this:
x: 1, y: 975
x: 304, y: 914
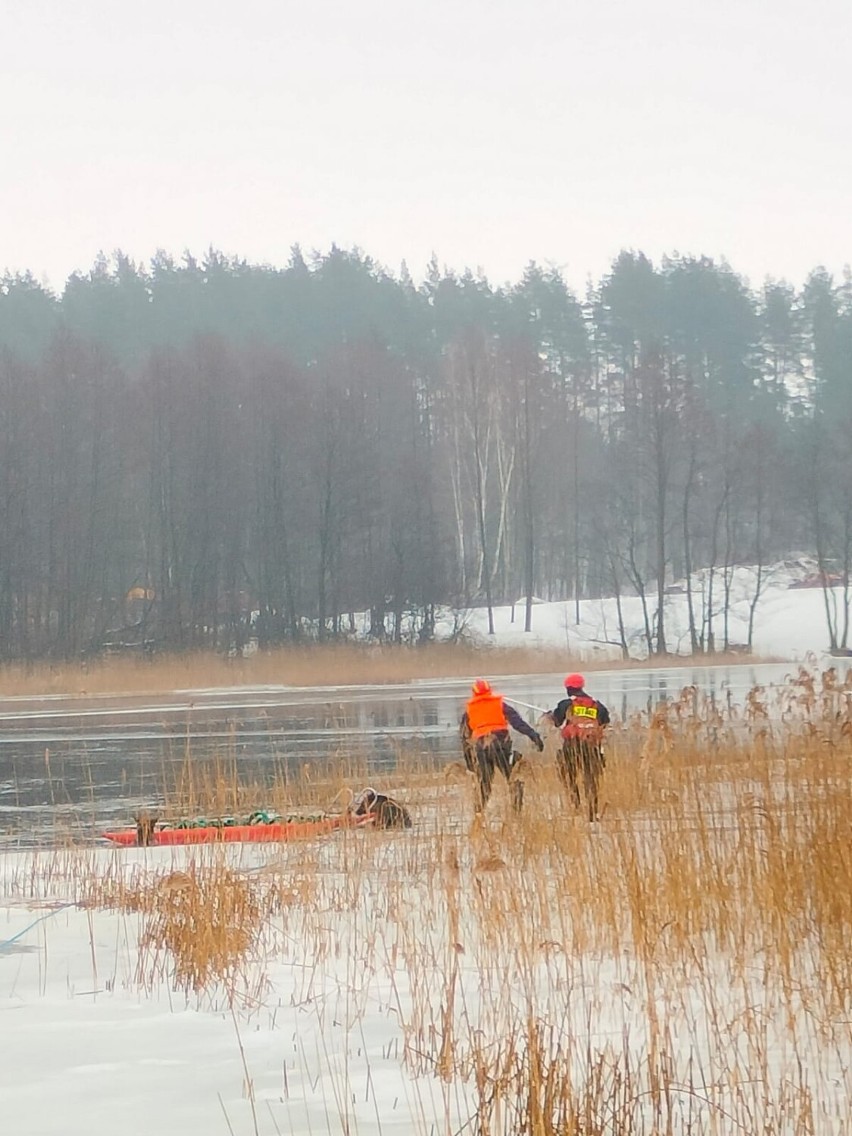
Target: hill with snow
x: 789, y: 620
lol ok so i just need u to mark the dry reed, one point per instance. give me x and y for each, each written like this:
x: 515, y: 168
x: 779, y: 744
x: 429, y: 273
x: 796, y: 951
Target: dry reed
x: 312, y: 665
x: 682, y: 967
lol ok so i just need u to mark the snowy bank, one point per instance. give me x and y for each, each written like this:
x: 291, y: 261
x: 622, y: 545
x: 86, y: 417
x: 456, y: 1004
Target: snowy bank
x: 789, y: 621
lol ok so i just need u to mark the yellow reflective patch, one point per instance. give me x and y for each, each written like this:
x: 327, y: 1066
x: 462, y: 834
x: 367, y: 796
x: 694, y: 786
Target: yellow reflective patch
x: 584, y: 711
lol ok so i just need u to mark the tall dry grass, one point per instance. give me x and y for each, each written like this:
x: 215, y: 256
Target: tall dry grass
x: 682, y: 967
x: 309, y: 665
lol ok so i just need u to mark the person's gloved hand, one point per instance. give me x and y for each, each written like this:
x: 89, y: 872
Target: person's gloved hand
x: 539, y: 744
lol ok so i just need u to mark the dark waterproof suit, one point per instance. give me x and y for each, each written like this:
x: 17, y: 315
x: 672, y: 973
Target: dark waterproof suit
x: 487, y: 745
x: 581, y: 721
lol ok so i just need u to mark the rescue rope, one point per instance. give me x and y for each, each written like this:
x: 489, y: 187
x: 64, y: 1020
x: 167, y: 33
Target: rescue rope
x: 527, y: 705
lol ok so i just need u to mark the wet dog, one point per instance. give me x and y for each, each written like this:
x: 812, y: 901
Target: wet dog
x: 387, y: 812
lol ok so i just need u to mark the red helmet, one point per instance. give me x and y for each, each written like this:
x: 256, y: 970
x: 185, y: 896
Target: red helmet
x: 575, y: 682
x: 482, y: 686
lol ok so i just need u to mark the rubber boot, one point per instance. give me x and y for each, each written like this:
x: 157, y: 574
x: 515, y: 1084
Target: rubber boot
x: 517, y: 789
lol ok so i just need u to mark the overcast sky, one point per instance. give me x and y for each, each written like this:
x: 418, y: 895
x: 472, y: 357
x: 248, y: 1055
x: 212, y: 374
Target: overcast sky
x: 491, y: 132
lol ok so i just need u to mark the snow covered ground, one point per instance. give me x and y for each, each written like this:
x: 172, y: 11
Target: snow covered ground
x: 336, y: 1023
x: 92, y: 1040
x: 789, y: 623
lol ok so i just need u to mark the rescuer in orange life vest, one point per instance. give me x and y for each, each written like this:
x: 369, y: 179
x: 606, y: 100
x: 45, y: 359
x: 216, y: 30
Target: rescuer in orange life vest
x: 581, y: 721
x: 486, y: 742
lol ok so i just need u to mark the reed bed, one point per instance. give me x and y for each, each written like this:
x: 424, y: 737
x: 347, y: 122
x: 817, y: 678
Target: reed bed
x: 313, y: 665
x: 681, y: 967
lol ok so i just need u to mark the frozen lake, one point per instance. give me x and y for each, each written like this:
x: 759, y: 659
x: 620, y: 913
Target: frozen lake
x: 89, y: 760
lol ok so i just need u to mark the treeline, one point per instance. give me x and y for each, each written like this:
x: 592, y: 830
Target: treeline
x: 184, y: 443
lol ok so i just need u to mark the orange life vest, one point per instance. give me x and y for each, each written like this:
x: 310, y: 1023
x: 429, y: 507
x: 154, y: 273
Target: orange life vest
x: 581, y: 719
x: 485, y: 715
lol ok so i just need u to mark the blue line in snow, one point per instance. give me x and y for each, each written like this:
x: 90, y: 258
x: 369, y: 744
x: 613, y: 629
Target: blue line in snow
x: 4, y: 943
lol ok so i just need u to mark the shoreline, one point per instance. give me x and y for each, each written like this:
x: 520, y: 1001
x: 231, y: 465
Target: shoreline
x: 327, y: 666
